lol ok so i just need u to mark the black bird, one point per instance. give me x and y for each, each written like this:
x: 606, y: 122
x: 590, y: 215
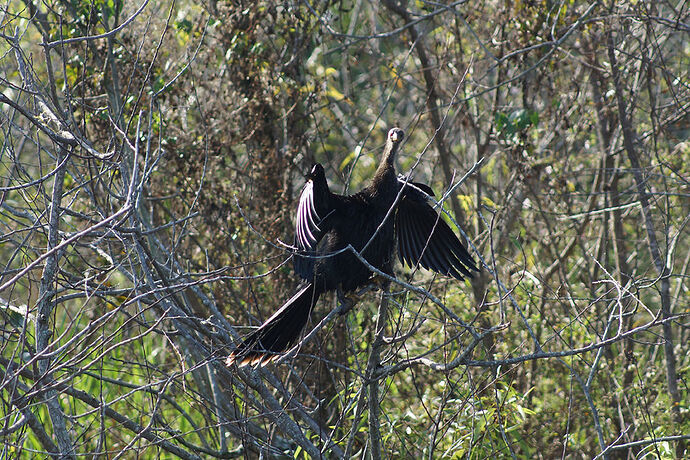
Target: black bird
x: 391, y: 208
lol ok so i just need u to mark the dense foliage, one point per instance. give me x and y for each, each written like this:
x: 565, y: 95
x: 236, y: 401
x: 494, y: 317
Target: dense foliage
x: 152, y: 155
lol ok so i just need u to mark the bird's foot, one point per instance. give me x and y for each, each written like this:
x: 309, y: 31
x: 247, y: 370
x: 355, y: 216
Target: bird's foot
x: 347, y: 301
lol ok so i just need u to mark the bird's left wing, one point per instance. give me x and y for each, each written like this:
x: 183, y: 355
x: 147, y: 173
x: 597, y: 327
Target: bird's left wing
x: 311, y: 222
x: 424, y: 238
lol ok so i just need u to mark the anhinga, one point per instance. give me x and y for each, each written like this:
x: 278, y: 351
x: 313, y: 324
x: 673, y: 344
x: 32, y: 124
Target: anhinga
x: 391, y: 208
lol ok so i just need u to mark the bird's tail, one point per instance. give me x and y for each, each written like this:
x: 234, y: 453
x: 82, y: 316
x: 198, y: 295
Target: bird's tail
x: 278, y: 332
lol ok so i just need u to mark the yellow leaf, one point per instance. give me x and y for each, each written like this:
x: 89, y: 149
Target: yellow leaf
x: 335, y: 94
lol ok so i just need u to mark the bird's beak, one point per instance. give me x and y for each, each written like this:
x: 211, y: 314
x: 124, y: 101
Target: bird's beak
x: 396, y: 135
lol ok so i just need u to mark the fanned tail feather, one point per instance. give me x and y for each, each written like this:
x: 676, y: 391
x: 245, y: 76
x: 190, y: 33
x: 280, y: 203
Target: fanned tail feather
x: 278, y: 332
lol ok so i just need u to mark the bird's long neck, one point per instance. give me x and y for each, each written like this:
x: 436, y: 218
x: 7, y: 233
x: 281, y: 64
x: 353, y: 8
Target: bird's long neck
x: 387, y: 166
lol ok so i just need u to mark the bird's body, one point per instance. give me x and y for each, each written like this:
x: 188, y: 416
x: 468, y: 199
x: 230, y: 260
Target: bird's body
x: 329, y: 227
x: 351, y: 221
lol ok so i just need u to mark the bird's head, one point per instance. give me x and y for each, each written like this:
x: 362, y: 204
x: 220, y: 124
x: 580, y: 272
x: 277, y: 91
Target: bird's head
x: 396, y: 135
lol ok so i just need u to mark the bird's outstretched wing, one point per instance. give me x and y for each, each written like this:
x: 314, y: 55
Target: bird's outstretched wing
x: 316, y: 205
x: 425, y: 239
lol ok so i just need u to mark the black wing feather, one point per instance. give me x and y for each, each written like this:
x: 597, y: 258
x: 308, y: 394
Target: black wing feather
x: 423, y: 253
x: 316, y: 204
x: 425, y: 239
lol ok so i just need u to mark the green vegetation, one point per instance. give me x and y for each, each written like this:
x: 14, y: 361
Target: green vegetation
x: 151, y: 159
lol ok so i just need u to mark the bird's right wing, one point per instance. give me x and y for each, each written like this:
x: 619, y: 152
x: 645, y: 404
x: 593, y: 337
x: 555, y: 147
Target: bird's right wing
x: 316, y: 205
x: 425, y: 239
